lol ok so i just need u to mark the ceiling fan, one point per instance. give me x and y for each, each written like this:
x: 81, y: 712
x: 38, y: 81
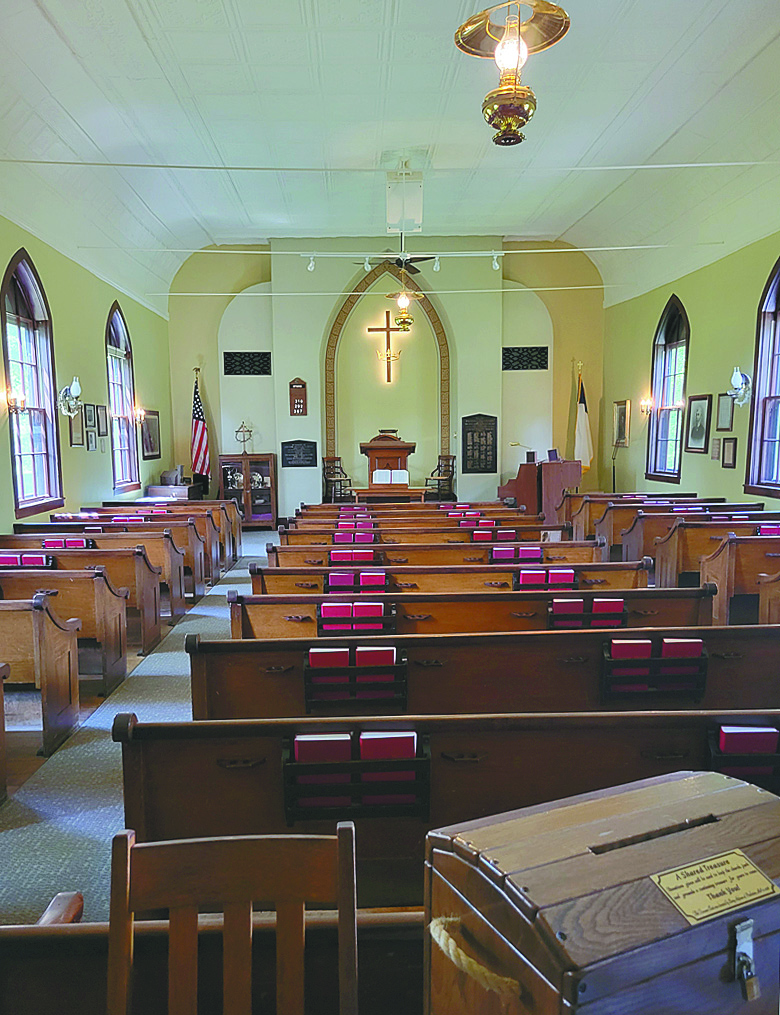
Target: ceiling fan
x: 403, y: 261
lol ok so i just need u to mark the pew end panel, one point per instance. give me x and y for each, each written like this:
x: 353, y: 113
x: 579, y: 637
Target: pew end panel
x: 5, y: 671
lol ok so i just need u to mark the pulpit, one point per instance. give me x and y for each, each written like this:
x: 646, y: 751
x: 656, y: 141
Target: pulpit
x: 387, y: 460
x: 540, y: 486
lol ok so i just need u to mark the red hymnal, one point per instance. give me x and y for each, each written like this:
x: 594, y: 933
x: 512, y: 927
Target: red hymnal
x: 362, y: 554
x: 364, y: 537
x: 372, y: 577
x: 503, y: 553
x: 336, y: 610
x: 681, y: 648
x: 341, y: 555
x: 324, y: 657
x: 338, y: 578
x: 529, y: 552
x: 564, y: 606
x: 343, y: 537
x: 316, y: 747
x: 561, y: 576
x: 484, y: 536
x: 748, y: 740
x: 363, y: 610
x: 633, y: 648
x: 533, y: 578
x: 506, y: 534
x: 345, y: 525
x: 388, y: 747
x: 369, y: 655
x: 486, y: 522
x: 607, y: 606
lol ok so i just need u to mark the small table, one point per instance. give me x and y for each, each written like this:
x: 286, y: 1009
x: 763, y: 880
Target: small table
x: 389, y: 492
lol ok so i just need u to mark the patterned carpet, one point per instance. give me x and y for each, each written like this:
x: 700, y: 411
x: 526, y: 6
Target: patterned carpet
x: 55, y: 832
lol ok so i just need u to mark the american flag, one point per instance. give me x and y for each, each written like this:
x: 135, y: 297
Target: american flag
x: 200, y: 436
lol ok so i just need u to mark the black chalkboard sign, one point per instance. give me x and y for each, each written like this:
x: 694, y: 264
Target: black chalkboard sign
x: 299, y: 454
x: 478, y: 449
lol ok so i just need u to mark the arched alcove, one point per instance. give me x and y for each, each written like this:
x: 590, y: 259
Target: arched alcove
x: 348, y: 304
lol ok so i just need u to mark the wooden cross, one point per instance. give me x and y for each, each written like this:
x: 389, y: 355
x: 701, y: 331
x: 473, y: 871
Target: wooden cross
x: 388, y: 357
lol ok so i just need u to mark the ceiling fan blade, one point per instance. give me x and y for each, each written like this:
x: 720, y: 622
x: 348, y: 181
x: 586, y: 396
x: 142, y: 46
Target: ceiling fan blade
x: 420, y: 259
x: 410, y: 269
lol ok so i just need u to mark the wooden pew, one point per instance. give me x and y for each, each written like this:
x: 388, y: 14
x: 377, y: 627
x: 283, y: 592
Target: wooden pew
x: 423, y: 534
x: 161, y: 551
x: 571, y: 502
x: 194, y: 779
x: 5, y: 672
x: 617, y: 517
x: 403, y: 508
x: 183, y: 530
x: 584, y: 518
x: 434, y: 553
x: 89, y: 596
x: 129, y: 568
x: 42, y: 650
x: 229, y: 507
x: 526, y: 671
x: 768, y: 598
x: 679, y: 552
x: 453, y: 612
x: 735, y: 566
x: 456, y: 578
x: 212, y: 525
x: 62, y: 968
x: 508, y: 516
x: 647, y: 528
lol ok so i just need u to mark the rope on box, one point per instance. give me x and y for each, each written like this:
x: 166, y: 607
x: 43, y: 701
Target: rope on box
x: 504, y: 986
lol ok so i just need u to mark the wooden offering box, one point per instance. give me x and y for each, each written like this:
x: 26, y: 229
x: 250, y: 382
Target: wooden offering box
x: 653, y: 898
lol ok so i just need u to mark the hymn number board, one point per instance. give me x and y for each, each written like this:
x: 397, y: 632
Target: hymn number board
x: 480, y: 437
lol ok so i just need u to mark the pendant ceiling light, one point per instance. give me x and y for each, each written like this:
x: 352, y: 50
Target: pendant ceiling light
x: 404, y: 319
x: 509, y: 107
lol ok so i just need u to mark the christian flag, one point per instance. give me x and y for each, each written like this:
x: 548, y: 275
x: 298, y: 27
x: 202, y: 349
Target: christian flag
x: 200, y: 437
x: 583, y: 443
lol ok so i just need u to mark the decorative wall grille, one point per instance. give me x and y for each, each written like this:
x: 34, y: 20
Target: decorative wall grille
x: 524, y: 357
x: 247, y: 364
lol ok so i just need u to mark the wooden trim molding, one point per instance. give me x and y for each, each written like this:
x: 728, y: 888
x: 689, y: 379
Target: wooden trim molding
x: 349, y: 303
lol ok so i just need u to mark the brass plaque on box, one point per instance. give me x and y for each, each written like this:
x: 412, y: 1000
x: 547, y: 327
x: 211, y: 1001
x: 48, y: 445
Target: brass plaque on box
x: 715, y: 885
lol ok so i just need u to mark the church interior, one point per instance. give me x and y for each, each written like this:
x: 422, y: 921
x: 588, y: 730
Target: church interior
x: 251, y: 254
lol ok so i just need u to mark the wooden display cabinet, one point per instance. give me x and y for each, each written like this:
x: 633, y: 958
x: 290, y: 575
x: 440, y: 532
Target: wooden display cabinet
x: 251, y: 480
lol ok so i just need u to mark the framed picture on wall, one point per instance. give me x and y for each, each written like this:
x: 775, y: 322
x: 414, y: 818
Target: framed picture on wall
x: 725, y: 420
x: 101, y: 412
x: 76, y: 426
x: 697, y: 430
x: 728, y: 458
x: 621, y: 422
x: 90, y: 420
x: 150, y: 435
x: 91, y: 440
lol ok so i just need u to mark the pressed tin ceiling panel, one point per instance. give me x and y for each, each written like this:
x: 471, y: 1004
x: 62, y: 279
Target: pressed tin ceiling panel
x: 329, y: 87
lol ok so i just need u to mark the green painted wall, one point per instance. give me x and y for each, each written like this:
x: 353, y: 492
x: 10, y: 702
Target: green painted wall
x: 79, y: 304
x: 722, y: 303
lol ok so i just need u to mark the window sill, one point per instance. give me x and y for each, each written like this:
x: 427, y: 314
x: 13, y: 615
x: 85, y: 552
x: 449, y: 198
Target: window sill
x: 763, y: 491
x: 24, y: 510
x: 663, y: 477
x: 127, y: 487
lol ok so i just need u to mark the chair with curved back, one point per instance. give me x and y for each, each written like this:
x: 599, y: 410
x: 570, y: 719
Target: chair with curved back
x: 337, y: 485
x: 442, y: 478
x: 186, y: 876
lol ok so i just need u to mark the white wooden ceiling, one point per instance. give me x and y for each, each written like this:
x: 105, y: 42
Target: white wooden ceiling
x: 106, y: 104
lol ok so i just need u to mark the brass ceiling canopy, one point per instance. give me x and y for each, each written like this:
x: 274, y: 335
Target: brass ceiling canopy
x: 510, y: 106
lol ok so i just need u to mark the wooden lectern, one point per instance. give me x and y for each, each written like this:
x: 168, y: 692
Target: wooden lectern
x: 388, y: 452
x: 540, y: 486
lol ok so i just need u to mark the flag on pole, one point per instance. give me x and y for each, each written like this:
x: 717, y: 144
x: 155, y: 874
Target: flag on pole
x: 200, y: 436
x: 583, y: 443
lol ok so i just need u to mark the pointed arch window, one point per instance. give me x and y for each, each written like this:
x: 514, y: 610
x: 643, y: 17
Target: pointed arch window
x: 121, y: 401
x: 763, y: 458
x: 28, y: 356
x: 669, y: 371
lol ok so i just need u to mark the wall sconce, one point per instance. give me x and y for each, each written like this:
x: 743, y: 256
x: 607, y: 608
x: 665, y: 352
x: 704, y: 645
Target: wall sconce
x: 15, y: 401
x: 140, y: 415
x: 741, y: 387
x: 646, y: 406
x: 69, y: 399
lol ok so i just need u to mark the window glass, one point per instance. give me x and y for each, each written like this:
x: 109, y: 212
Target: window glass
x: 665, y: 430
x: 121, y: 397
x: 764, y: 446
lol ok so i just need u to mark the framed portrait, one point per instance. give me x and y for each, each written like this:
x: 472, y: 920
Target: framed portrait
x: 725, y: 420
x: 90, y: 419
x: 621, y: 422
x: 150, y: 435
x: 76, y: 426
x: 697, y: 430
x: 91, y: 440
x: 728, y: 457
x: 101, y: 411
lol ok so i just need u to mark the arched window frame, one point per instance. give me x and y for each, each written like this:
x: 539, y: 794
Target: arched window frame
x: 762, y: 471
x: 669, y: 384
x: 121, y: 402
x: 34, y: 379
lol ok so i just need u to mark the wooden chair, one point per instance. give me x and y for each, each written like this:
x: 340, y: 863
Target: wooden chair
x: 185, y: 875
x: 442, y: 477
x: 337, y: 485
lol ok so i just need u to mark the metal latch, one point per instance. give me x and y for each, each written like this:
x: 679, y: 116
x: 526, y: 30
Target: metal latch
x: 744, y: 965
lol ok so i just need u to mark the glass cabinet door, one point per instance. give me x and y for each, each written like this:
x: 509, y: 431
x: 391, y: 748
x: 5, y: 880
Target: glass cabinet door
x: 260, y: 491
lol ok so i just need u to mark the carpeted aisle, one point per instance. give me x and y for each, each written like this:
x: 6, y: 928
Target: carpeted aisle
x: 55, y: 832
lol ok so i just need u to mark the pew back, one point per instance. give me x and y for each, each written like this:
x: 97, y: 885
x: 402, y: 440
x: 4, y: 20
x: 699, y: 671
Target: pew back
x: 411, y: 534
x: 738, y: 561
